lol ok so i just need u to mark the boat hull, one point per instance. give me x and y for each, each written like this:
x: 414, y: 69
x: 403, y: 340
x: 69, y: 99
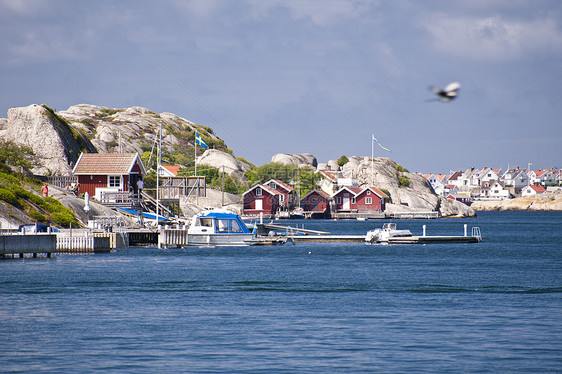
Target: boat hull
x: 214, y: 240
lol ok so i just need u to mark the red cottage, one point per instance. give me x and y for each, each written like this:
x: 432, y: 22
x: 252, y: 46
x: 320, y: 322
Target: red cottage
x: 288, y: 197
x: 317, y: 203
x: 356, y: 199
x: 261, y: 199
x: 108, y: 172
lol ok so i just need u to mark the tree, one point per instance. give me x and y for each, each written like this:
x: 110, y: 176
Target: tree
x: 343, y: 160
x: 302, y: 179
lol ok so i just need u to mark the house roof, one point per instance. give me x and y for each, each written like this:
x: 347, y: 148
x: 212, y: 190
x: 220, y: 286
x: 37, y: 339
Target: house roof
x: 282, y: 184
x: 356, y: 191
x: 319, y: 192
x: 537, y: 188
x: 173, y: 169
x: 331, y: 177
x: 456, y: 175
x: 266, y: 188
x: 107, y: 164
x: 540, y: 173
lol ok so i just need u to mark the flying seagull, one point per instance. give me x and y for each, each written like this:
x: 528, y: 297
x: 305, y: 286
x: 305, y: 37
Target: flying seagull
x: 448, y: 93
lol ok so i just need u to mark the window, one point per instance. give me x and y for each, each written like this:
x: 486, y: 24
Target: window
x: 222, y: 225
x: 258, y: 191
x: 353, y: 200
x: 338, y: 200
x: 234, y: 226
x: 368, y: 200
x: 368, y: 192
x: 114, y: 181
x: 273, y: 185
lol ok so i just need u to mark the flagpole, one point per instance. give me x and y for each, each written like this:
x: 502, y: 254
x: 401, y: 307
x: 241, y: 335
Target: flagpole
x: 372, y: 159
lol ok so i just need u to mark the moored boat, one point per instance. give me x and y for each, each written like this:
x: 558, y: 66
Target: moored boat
x: 219, y: 228
x: 388, y: 231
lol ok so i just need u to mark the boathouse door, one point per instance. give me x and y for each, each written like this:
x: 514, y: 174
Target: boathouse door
x: 346, y: 205
x: 259, y: 204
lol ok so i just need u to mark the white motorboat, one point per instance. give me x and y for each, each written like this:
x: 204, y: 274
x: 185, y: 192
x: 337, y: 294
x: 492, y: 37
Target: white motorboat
x: 388, y: 231
x: 219, y: 228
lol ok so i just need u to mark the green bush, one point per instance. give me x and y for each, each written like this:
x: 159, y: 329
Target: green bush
x: 20, y: 192
x: 9, y: 178
x: 64, y: 219
x: 403, y: 180
x: 38, y: 200
x: 402, y: 169
x: 37, y: 216
x: 9, y: 197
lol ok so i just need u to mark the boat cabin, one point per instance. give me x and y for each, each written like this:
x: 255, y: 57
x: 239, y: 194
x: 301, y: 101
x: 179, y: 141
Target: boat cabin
x: 218, y: 223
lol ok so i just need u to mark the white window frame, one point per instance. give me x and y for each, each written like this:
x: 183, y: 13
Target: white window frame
x: 259, y: 191
x: 368, y: 200
x: 111, y: 181
x: 353, y: 201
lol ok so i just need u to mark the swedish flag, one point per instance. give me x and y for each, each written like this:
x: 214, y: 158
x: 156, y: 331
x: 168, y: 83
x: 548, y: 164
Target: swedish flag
x: 199, y: 140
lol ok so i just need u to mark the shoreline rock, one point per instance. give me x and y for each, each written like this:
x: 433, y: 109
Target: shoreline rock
x: 543, y: 202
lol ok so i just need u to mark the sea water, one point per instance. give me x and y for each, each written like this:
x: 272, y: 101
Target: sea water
x: 494, y: 306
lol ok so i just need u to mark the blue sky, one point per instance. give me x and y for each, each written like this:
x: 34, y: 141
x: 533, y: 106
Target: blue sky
x: 307, y: 76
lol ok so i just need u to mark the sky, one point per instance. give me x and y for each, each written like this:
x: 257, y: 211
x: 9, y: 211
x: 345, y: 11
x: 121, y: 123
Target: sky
x: 307, y: 76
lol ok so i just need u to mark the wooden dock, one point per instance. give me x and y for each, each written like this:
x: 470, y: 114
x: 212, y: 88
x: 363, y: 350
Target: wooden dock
x: 326, y: 238
x: 434, y: 239
x: 395, y: 240
x: 20, y: 245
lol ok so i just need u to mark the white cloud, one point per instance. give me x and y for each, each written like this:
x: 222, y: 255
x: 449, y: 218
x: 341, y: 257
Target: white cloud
x: 23, y: 7
x: 493, y: 38
x: 320, y: 12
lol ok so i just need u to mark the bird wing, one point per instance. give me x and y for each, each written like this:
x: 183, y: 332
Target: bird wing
x: 452, y: 87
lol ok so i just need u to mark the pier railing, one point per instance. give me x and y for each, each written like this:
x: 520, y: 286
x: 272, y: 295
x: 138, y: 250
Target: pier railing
x: 414, y: 215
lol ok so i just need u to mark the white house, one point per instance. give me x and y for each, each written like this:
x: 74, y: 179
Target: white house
x: 489, y: 175
x: 497, y: 191
x: 516, y: 178
x: 328, y: 183
x: 169, y: 170
x: 544, y: 177
x: 533, y: 189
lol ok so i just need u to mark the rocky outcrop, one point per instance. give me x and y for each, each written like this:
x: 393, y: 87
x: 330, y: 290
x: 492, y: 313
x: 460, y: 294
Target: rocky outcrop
x: 219, y: 159
x: 301, y: 159
x: 214, y: 199
x: 130, y: 128
x: 384, y: 174
x: 542, y: 202
x: 56, y: 145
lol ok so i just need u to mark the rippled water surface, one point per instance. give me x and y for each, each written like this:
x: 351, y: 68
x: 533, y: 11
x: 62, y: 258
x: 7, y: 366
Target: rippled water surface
x: 495, y: 306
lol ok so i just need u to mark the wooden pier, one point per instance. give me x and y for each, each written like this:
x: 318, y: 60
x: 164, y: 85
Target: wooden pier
x: 433, y: 239
x: 414, y: 215
x: 20, y: 245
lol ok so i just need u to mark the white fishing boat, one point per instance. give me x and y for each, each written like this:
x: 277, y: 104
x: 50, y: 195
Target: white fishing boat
x: 219, y: 228
x: 388, y: 231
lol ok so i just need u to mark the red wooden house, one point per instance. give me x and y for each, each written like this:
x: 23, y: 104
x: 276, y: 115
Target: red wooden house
x: 108, y: 172
x: 289, y: 196
x: 261, y: 199
x: 356, y: 199
x: 317, y: 202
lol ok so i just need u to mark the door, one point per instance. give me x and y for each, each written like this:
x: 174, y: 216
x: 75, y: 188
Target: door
x: 346, y: 205
x: 259, y: 204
